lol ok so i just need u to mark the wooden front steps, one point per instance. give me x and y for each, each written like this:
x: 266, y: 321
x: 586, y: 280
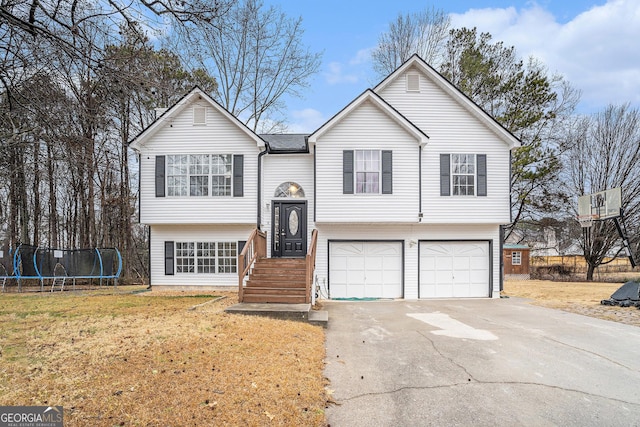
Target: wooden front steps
x: 277, y: 280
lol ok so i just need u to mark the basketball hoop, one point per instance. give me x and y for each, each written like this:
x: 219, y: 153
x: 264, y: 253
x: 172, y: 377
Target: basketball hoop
x: 586, y: 221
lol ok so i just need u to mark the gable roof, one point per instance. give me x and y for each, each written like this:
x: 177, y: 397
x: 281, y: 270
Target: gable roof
x: 369, y: 95
x: 415, y: 61
x: 166, y: 117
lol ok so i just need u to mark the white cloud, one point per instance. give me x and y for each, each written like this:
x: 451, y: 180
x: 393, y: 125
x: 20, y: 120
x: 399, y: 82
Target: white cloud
x: 335, y: 74
x: 306, y: 120
x: 597, y: 51
x: 363, y: 56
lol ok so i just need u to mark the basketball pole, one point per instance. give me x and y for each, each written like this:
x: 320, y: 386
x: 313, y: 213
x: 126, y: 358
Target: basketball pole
x: 622, y: 231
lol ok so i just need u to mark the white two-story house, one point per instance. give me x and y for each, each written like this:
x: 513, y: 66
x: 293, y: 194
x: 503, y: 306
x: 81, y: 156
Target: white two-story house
x: 407, y: 187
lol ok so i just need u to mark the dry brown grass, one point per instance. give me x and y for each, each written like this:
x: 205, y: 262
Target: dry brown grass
x: 576, y: 297
x: 112, y: 358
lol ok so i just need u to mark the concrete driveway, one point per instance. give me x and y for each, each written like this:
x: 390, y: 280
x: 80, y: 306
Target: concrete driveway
x: 478, y: 362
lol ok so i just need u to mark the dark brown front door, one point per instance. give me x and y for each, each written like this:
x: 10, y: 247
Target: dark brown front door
x: 289, y: 229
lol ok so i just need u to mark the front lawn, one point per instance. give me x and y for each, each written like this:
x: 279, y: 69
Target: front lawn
x: 112, y: 357
x: 576, y: 297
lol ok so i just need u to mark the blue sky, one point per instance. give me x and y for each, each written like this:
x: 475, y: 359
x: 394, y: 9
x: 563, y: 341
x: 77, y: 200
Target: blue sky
x: 592, y: 43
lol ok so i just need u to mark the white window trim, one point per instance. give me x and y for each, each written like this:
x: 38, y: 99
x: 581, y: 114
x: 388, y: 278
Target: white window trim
x: 475, y: 175
x: 356, y: 171
x: 516, y: 255
x: 210, y: 176
x: 216, y: 257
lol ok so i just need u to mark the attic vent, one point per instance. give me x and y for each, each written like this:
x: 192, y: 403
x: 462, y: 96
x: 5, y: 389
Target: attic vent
x: 413, y: 82
x: 199, y: 115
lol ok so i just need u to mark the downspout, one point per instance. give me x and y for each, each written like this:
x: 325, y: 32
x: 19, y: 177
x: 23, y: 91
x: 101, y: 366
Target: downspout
x: 420, y: 214
x: 262, y: 153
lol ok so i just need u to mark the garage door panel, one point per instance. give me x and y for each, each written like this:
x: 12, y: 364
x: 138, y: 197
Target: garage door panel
x: 355, y: 277
x: 462, y: 277
x: 462, y: 263
x: 478, y: 263
x: 373, y: 263
x: 374, y: 269
x: 454, y: 269
x: 443, y: 291
x: 348, y: 249
x: 460, y: 291
x: 339, y: 263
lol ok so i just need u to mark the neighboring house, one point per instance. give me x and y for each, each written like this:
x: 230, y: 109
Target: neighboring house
x: 407, y: 186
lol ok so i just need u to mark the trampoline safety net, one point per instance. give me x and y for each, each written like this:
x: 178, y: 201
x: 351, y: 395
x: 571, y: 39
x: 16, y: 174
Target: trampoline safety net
x: 32, y: 262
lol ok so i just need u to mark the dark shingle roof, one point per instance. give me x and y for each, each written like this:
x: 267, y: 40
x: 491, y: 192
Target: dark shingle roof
x: 286, y: 143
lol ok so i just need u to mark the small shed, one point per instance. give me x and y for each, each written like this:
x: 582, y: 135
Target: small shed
x: 516, y: 261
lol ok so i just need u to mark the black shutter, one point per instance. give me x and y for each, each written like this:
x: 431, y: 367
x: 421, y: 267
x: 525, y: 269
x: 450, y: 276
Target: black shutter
x: 238, y: 175
x: 168, y: 258
x: 445, y: 171
x: 347, y: 172
x: 159, y: 176
x: 387, y: 172
x: 481, y: 160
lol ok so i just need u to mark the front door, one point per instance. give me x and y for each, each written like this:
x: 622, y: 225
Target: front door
x: 289, y: 229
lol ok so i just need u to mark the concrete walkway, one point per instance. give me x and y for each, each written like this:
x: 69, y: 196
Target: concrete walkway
x: 479, y: 362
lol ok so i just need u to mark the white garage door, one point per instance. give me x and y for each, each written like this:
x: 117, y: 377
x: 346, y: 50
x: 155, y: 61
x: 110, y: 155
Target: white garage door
x: 365, y: 269
x: 454, y: 269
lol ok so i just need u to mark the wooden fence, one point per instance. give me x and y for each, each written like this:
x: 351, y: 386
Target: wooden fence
x: 576, y: 264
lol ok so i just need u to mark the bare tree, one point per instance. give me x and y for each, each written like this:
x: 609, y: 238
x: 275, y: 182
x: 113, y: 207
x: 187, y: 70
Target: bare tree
x: 257, y: 56
x: 424, y: 33
x: 67, y: 26
x: 603, y: 152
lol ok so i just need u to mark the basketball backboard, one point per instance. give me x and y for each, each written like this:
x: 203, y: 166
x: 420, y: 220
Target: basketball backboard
x: 601, y: 205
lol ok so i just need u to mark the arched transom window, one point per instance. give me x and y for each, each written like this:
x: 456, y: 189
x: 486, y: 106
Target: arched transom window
x: 289, y: 189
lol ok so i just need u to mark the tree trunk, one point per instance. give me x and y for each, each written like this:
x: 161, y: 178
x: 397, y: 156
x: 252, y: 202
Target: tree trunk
x: 53, y: 200
x: 590, y: 269
x: 36, y: 193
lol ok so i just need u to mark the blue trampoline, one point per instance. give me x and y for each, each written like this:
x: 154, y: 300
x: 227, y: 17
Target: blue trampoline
x: 28, y: 262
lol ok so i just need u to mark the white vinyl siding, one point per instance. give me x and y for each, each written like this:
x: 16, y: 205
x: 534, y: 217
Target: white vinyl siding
x: 366, y: 128
x: 181, y: 138
x: 453, y: 129
x: 225, y: 237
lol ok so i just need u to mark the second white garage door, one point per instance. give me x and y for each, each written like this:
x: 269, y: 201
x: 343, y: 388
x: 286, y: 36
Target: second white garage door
x: 365, y: 269
x: 454, y: 269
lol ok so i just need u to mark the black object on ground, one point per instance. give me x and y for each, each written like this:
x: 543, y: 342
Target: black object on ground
x: 628, y: 295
